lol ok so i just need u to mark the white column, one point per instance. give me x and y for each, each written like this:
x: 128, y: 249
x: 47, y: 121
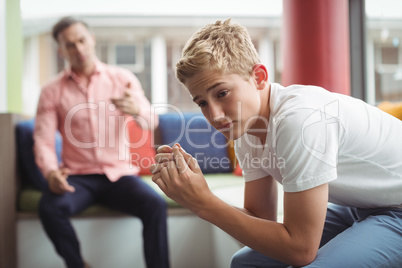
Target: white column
x: 3, y: 58
x: 30, y: 76
x: 267, y: 56
x: 159, y: 74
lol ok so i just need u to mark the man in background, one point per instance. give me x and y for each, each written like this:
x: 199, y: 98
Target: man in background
x: 89, y: 103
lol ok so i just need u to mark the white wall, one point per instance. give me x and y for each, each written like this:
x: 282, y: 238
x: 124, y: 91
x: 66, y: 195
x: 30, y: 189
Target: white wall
x: 3, y: 59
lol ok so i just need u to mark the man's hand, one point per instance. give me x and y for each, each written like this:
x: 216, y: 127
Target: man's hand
x: 179, y: 176
x: 57, y: 180
x: 126, y: 104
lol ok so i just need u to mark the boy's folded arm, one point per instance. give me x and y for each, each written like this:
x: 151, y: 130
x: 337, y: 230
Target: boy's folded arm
x: 295, y: 242
x: 261, y: 198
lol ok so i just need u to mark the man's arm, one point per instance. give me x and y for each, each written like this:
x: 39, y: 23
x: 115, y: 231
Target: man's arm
x: 44, y: 144
x: 295, y: 242
x: 45, y: 133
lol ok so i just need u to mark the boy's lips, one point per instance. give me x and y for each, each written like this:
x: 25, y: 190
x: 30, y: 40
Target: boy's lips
x: 224, y: 126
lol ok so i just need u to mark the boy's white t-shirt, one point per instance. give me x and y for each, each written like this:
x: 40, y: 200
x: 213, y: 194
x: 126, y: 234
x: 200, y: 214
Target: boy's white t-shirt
x: 316, y: 137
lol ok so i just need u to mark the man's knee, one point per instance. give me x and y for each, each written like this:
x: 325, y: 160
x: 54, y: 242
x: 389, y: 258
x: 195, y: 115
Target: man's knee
x: 55, y: 205
x: 157, y: 205
x: 154, y: 201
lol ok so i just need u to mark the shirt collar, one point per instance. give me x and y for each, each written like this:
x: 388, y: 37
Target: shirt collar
x: 99, y: 68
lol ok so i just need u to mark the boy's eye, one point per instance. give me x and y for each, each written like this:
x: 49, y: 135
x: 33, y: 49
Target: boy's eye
x: 202, y: 104
x: 222, y: 94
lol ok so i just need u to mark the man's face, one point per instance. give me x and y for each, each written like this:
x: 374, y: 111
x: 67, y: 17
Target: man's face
x: 77, y: 46
x: 229, y: 103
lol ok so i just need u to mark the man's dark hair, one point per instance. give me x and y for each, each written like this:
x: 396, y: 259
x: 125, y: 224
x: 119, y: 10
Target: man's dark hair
x: 63, y: 24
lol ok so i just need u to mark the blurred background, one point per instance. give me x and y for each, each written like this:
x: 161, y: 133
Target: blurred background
x: 147, y: 37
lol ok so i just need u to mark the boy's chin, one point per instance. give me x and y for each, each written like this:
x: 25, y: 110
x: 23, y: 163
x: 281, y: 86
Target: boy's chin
x: 232, y: 135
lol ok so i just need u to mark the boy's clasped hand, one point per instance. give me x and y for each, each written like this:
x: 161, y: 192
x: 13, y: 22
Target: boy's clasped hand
x: 179, y: 176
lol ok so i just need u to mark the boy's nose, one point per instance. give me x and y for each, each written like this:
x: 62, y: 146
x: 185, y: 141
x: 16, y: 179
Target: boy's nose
x: 216, y: 112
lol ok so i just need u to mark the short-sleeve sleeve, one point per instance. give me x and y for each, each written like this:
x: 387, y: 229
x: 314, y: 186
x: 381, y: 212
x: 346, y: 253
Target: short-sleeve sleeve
x: 246, y: 154
x: 308, y: 141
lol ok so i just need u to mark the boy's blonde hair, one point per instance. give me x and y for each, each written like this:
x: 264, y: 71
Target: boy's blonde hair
x: 222, y: 46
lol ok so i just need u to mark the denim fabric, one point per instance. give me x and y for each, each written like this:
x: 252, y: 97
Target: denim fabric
x: 352, y: 237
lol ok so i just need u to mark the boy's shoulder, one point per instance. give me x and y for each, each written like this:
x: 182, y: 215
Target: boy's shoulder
x: 297, y: 91
x: 298, y: 97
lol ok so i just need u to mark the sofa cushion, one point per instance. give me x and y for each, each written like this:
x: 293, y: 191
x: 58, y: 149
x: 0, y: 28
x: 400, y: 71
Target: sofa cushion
x: 238, y: 171
x: 142, y: 152
x: 198, y: 138
x: 30, y: 172
x: 28, y: 199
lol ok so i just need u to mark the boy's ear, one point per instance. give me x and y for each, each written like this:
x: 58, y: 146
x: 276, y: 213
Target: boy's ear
x: 260, y: 75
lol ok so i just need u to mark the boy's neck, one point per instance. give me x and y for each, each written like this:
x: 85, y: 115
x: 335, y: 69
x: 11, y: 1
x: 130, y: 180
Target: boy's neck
x: 261, y: 124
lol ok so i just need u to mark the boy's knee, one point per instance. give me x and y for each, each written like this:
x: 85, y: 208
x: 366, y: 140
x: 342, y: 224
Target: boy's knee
x: 236, y: 261
x: 246, y: 258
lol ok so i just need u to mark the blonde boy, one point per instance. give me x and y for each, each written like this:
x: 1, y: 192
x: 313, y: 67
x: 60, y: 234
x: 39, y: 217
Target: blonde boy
x: 333, y: 148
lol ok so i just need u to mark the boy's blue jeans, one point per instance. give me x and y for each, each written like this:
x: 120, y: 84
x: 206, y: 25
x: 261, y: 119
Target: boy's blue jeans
x: 352, y: 238
x: 130, y: 194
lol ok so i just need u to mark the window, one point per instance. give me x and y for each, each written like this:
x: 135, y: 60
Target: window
x: 129, y: 56
x: 134, y: 57
x: 178, y: 96
x: 388, y: 71
x: 384, y: 57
